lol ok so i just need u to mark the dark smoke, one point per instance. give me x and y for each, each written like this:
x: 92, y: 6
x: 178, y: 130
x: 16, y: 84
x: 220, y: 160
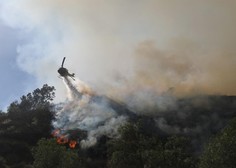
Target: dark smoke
x: 197, y: 117
x: 98, y: 115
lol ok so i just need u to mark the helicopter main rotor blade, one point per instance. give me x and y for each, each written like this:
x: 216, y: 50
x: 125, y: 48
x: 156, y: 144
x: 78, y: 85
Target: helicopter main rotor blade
x: 63, y: 62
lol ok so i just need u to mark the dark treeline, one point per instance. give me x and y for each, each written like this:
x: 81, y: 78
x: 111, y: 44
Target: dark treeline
x: 200, y: 132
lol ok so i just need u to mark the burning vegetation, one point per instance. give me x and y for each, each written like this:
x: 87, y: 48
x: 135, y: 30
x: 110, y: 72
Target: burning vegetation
x: 96, y: 131
x: 153, y: 103
x: 64, y: 139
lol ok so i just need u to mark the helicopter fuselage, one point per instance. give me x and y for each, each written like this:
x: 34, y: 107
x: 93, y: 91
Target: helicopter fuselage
x: 64, y: 72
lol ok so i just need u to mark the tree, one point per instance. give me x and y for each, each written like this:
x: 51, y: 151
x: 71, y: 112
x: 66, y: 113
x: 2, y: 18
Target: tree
x: 48, y: 154
x: 136, y: 149
x: 178, y: 154
x: 15, y: 152
x: 124, y: 151
x: 39, y: 98
x: 221, y: 150
x: 24, y: 124
x: 30, y: 119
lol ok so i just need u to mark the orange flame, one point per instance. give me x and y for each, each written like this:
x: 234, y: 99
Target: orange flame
x: 62, y: 140
x: 72, y: 144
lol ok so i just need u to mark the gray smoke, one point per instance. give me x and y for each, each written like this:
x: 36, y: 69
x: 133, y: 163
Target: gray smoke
x: 197, y: 117
x: 188, y: 45
x: 85, y: 112
x: 135, y: 52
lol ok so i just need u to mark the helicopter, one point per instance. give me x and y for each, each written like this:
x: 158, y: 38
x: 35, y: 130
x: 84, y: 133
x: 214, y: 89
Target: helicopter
x: 64, y: 72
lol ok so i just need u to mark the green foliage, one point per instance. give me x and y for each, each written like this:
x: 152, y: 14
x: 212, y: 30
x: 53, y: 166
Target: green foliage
x: 48, y: 154
x: 30, y: 119
x: 221, y: 151
x: 24, y: 124
x: 125, y: 152
x: 95, y: 156
x: 178, y: 153
x: 15, y: 151
x: 136, y: 150
x: 39, y: 98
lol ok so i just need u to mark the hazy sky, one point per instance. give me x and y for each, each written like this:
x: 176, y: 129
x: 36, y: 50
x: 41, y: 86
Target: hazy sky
x: 118, y: 45
x: 14, y: 81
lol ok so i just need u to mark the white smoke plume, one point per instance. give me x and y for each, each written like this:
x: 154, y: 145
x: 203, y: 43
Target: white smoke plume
x: 85, y: 112
x: 137, y: 52
x: 157, y: 44
x: 110, y: 129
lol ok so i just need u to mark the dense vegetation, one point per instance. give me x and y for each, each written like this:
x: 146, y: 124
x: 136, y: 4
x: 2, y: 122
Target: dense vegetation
x: 26, y: 140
